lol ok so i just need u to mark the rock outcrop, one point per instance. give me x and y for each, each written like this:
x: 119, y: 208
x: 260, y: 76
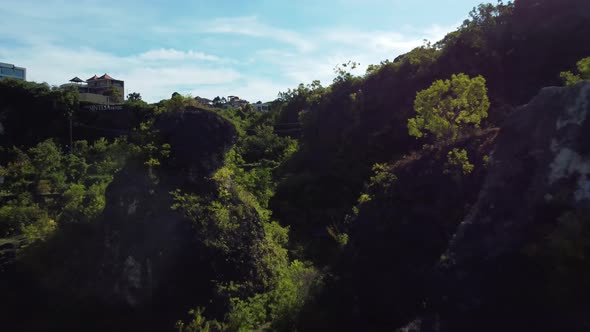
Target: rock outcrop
x: 541, y: 151
x: 539, y: 171
x: 150, y: 260
x: 199, y: 141
x: 404, y: 225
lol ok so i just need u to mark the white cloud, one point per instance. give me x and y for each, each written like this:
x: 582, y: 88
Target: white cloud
x: 159, y: 83
x: 181, y: 76
x: 251, y: 26
x: 271, y: 53
x: 373, y: 40
x: 343, y: 44
x: 172, y: 54
x: 437, y: 32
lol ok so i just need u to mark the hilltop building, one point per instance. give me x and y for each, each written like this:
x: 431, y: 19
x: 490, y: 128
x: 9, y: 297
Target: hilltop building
x: 11, y: 71
x: 235, y: 102
x: 204, y: 101
x: 261, y: 107
x: 103, y: 89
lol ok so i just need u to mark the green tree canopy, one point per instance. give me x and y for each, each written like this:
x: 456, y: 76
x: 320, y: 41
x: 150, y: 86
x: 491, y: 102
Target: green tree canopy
x: 448, y: 108
x: 134, y: 96
x: 114, y: 94
x: 70, y: 100
x: 570, y: 78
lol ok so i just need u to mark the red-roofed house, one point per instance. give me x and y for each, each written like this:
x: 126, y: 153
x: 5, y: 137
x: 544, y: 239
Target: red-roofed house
x: 100, y: 89
x: 102, y: 84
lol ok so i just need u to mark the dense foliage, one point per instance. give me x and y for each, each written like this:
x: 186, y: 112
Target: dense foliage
x: 583, y: 73
x: 397, y: 231
x: 329, y: 212
x: 246, y: 182
x: 448, y: 107
x: 356, y: 122
x: 45, y: 187
x: 49, y: 188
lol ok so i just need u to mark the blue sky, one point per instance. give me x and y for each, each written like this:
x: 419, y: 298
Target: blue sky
x: 253, y: 49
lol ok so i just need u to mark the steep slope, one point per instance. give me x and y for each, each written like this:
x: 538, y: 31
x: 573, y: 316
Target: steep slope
x: 503, y: 248
x: 405, y: 219
x: 359, y: 121
x: 519, y: 258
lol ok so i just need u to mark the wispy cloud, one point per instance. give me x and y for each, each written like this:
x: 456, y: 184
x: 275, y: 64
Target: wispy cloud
x: 160, y: 83
x: 341, y: 44
x: 251, y: 26
x: 376, y: 40
x: 175, y: 55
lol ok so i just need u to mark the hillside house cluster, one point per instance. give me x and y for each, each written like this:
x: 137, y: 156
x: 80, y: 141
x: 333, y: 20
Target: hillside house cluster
x: 235, y: 102
x: 232, y: 101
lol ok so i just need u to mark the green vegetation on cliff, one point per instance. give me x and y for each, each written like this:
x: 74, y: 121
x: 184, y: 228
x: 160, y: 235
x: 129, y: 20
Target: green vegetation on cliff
x: 339, y: 209
x: 54, y: 196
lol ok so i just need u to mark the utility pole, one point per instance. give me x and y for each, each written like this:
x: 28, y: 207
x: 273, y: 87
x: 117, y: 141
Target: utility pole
x: 71, y: 136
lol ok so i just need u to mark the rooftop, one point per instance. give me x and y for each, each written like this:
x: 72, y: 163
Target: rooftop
x: 103, y: 77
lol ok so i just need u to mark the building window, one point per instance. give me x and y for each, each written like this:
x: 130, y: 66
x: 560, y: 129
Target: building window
x: 13, y: 72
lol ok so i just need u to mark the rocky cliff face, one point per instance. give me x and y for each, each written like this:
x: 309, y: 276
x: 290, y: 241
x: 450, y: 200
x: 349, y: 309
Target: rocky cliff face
x: 405, y: 225
x: 150, y: 257
x: 493, y: 276
x: 541, y: 154
x: 199, y: 141
x: 143, y: 264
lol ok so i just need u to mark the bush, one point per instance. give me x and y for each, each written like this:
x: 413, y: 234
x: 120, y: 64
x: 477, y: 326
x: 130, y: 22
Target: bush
x: 458, y: 162
x: 280, y: 306
x: 583, y: 67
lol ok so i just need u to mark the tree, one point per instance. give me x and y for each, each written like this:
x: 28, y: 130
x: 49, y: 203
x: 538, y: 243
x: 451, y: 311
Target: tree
x: 47, y: 159
x: 447, y: 108
x: 134, y: 96
x: 570, y: 78
x: 342, y: 72
x: 114, y: 94
x: 70, y: 100
x: 178, y: 103
x: 217, y: 102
